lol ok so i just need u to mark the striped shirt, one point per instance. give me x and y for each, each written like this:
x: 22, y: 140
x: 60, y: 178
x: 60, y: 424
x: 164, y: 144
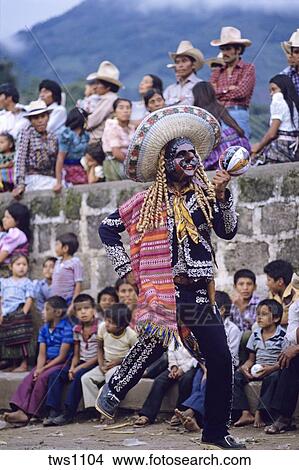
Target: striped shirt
x: 89, y: 347
x: 266, y: 352
x: 66, y: 274
x: 244, y: 320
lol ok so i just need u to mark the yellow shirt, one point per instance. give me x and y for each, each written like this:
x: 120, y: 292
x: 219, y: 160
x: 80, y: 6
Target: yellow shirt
x: 290, y: 295
x: 116, y: 347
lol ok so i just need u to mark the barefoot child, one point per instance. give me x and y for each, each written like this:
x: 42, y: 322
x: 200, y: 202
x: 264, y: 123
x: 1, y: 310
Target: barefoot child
x: 42, y: 287
x: 16, y: 298
x: 264, y: 345
x: 85, y: 358
x: 56, y: 341
x: 68, y: 271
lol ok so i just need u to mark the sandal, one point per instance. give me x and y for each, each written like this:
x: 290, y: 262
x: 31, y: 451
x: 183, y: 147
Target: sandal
x: 280, y: 427
x: 142, y: 421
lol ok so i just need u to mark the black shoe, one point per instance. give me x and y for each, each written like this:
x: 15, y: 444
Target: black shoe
x: 48, y: 421
x: 226, y: 443
x: 62, y: 420
x: 106, y: 403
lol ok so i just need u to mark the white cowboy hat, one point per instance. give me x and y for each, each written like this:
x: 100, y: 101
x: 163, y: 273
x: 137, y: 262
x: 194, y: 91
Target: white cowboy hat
x: 36, y: 107
x: 292, y: 42
x: 215, y: 60
x: 230, y: 35
x: 186, y: 48
x: 107, y: 72
x: 159, y: 128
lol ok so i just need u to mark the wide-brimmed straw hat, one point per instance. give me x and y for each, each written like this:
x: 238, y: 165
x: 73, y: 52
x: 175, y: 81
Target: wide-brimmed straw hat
x: 107, y: 72
x: 186, y: 48
x: 159, y: 128
x: 292, y: 42
x: 230, y: 35
x: 215, y: 60
x: 36, y: 107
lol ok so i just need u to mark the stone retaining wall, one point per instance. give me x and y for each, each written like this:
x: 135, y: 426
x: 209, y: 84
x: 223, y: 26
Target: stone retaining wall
x: 267, y: 202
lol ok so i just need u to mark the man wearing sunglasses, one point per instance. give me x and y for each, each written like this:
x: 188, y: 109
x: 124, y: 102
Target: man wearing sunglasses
x: 234, y: 82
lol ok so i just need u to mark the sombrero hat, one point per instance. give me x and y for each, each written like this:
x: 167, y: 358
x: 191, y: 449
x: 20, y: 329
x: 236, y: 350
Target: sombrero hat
x: 230, y: 35
x: 292, y: 42
x: 35, y: 108
x: 163, y: 125
x: 186, y: 48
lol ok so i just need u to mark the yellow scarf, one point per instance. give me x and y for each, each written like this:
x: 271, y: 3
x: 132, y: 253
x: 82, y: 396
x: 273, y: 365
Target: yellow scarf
x: 183, y: 220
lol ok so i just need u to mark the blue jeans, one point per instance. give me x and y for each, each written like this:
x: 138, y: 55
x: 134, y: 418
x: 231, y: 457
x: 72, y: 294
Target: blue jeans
x: 242, y: 118
x: 56, y: 383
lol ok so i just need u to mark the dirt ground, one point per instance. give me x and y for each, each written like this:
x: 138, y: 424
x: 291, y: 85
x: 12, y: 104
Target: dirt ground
x: 122, y: 435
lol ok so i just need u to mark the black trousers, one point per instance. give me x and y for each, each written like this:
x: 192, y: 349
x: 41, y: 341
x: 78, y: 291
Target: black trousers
x: 240, y: 401
x: 286, y: 395
x: 161, y: 385
x: 208, y: 330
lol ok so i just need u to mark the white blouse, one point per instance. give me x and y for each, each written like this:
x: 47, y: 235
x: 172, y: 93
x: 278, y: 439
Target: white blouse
x: 279, y: 110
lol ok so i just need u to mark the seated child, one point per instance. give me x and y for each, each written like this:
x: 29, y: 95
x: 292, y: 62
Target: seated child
x: 181, y: 370
x: 7, y: 155
x: 106, y: 298
x: 16, y: 328
x: 115, y: 339
x: 92, y: 163
x: 232, y: 331
x: 68, y: 270
x: 243, y: 310
x: 55, y: 348
x: 265, y: 346
x: 84, y: 359
x: 42, y: 286
x: 193, y: 414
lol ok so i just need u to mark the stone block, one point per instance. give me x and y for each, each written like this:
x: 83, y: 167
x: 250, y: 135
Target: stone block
x: 72, y: 204
x: 289, y: 250
x: 105, y: 274
x: 44, y: 237
x: 100, y: 198
x: 279, y: 217
x: 240, y: 255
x: 255, y: 189
x: 47, y: 205
x: 93, y: 223
x: 245, y: 221
x: 73, y: 227
x: 290, y: 185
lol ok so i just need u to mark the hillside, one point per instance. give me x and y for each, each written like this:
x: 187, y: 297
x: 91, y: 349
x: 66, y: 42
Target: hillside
x: 74, y: 43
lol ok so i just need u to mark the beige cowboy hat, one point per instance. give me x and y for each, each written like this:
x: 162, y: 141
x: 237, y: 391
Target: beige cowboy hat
x: 230, y: 35
x: 186, y: 48
x: 292, y: 42
x: 159, y: 128
x: 36, y: 107
x: 107, y: 72
x: 215, y: 60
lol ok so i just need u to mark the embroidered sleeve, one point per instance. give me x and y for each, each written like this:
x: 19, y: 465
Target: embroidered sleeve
x: 225, y: 221
x: 109, y: 231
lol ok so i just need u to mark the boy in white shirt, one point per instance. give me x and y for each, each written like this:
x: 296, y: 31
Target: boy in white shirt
x: 115, y: 339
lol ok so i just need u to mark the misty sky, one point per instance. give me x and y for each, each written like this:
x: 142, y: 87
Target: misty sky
x: 17, y: 14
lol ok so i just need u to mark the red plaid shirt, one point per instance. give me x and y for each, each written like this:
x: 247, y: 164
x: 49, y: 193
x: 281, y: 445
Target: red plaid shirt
x: 243, y: 76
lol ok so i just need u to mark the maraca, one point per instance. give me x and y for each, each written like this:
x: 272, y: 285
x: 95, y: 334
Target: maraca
x: 235, y: 160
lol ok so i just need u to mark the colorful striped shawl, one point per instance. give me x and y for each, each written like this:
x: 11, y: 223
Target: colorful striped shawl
x: 151, y: 265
